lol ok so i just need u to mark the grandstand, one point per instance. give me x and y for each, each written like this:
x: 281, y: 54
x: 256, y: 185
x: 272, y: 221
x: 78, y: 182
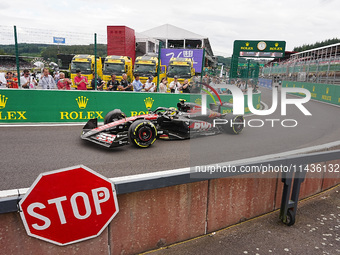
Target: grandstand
x: 8, y: 63
x: 326, y: 52
x: 319, y: 65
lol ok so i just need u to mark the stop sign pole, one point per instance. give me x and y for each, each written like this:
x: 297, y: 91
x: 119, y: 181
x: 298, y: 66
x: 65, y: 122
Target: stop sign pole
x: 68, y: 205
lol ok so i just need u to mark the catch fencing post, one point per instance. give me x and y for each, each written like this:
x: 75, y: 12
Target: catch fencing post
x: 95, y: 61
x: 159, y: 63
x: 17, y: 55
x: 203, y: 63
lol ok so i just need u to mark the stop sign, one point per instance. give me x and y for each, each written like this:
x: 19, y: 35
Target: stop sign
x: 68, y: 205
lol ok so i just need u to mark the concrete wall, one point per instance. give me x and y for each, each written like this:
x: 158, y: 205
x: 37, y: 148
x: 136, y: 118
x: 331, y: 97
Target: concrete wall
x: 154, y: 218
x: 158, y: 217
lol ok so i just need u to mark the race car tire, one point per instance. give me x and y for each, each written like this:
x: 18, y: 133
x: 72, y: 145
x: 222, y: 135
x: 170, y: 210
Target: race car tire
x: 234, y: 125
x: 142, y: 133
x: 114, y: 115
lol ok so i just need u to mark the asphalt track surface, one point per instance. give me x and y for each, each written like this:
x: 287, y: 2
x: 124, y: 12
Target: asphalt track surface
x: 28, y: 151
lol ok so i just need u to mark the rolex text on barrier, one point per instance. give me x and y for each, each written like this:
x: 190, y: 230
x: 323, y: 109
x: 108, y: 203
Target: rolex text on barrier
x: 68, y: 205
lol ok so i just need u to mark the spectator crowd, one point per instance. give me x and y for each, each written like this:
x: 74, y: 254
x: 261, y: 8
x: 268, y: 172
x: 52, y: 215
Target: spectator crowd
x: 57, y: 81
x: 10, y: 64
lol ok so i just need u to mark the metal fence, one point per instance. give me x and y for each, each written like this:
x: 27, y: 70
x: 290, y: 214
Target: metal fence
x: 325, y: 70
x: 34, y: 49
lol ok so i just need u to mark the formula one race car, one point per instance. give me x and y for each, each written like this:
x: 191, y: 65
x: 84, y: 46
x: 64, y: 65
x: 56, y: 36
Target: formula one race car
x: 162, y: 123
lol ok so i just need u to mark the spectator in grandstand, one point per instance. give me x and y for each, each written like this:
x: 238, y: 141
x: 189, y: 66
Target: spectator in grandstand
x: 11, y: 82
x: 27, y: 81
x: 149, y: 85
x: 186, y: 86
x: 137, y: 85
x: 46, y: 81
x: 2, y: 79
x: 125, y: 85
x: 10, y: 64
x: 80, y: 81
x: 63, y: 83
x: 112, y: 85
x: 163, y: 86
x: 175, y: 85
x: 100, y: 83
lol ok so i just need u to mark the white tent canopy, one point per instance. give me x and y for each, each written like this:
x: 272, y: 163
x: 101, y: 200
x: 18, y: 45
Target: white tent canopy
x: 168, y: 31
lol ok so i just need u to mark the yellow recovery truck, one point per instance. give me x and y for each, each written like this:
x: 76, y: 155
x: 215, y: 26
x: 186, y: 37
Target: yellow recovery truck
x: 146, y: 66
x: 117, y: 65
x: 85, y: 63
x: 182, y: 68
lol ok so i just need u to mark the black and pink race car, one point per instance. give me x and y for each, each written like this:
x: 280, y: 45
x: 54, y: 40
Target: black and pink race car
x: 185, y: 122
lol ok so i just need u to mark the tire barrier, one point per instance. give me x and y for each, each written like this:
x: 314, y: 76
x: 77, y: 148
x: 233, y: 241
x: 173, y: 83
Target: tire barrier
x: 327, y: 93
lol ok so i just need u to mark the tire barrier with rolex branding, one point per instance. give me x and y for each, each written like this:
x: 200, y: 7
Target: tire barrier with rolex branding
x: 19, y: 106
x: 327, y: 93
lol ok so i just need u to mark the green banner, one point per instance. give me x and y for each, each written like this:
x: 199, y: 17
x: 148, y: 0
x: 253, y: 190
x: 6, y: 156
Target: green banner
x: 20, y: 105
x: 328, y: 93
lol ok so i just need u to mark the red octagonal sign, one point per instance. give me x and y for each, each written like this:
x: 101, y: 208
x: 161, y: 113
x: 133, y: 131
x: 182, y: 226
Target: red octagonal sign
x: 68, y: 205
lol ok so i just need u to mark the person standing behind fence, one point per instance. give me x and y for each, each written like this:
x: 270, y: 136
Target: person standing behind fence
x: 64, y: 83
x: 2, y: 80
x: 163, y: 85
x: 46, y: 81
x: 186, y: 86
x: 137, y: 84
x: 149, y: 85
x: 56, y: 77
x: 80, y: 81
x: 100, y: 83
x: 27, y: 81
x: 175, y: 85
x: 12, y: 82
x: 112, y: 85
x: 125, y: 84
x: 243, y: 87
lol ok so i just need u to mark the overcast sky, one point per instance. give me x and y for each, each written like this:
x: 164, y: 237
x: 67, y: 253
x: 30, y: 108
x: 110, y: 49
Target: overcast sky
x: 295, y: 21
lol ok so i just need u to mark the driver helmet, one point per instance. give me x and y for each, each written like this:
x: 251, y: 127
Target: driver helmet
x: 173, y: 110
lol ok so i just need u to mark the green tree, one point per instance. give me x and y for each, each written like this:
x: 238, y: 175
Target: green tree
x: 316, y: 45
